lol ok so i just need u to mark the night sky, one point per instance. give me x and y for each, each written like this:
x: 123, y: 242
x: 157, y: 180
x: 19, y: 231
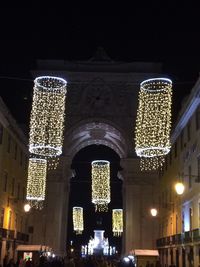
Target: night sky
x: 148, y: 31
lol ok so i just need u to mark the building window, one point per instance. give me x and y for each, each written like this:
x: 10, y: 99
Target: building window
x: 183, y: 222
x: 16, y: 221
x: 2, y: 217
x: 197, y: 118
x: 176, y: 223
x: 182, y: 139
x: 21, y: 157
x: 9, y: 144
x: 199, y: 214
x: 198, y: 168
x: 24, y: 193
x: 171, y: 225
x: 190, y: 176
x: 15, y: 153
x: 5, y: 183
x: 175, y: 150
x: 21, y: 224
x: 18, y: 191
x: 9, y: 219
x: 1, y: 133
x: 166, y: 162
x: 190, y: 211
x: 25, y: 163
x: 13, y: 187
x: 188, y: 130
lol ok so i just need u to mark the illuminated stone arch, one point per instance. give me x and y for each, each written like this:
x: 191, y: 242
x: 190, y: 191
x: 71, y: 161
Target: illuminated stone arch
x: 95, y: 133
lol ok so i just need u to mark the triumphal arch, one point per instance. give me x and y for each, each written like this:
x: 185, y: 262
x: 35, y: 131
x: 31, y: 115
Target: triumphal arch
x: 101, y: 104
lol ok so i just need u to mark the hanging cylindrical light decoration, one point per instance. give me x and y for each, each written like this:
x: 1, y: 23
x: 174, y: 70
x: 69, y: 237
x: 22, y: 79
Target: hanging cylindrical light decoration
x: 101, y: 184
x: 153, y: 122
x: 78, y: 220
x: 36, y: 184
x: 117, y: 222
x: 47, y: 116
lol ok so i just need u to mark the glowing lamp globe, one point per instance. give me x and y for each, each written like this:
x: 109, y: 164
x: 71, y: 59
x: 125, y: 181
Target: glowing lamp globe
x: 27, y: 207
x: 47, y: 116
x: 179, y: 187
x: 154, y: 212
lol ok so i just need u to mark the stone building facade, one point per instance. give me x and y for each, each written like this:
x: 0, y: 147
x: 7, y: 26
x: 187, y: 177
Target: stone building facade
x: 102, y: 99
x: 179, y: 216
x: 13, y: 177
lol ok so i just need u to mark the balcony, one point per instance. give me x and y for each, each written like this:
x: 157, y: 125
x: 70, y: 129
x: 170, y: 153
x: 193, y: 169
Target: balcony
x: 5, y: 233
x: 196, y: 234
x: 187, y: 237
x: 181, y: 238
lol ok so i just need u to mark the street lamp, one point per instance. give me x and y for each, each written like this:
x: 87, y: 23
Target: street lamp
x: 154, y: 212
x: 180, y: 188
x: 27, y: 207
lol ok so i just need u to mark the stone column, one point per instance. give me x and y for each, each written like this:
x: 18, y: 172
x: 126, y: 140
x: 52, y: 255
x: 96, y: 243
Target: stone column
x: 137, y: 201
x: 57, y: 207
x: 50, y: 224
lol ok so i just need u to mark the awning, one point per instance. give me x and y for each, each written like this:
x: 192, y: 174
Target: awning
x: 145, y: 252
x: 29, y: 248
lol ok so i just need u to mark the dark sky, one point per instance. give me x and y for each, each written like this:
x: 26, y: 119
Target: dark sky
x: 166, y: 32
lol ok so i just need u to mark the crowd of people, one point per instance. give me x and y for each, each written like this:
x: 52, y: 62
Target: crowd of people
x: 65, y: 262
x: 91, y: 261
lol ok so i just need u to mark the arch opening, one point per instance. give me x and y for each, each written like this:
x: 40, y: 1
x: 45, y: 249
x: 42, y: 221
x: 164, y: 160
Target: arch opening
x: 80, y: 195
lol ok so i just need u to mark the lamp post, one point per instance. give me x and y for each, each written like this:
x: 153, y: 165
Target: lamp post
x: 179, y: 189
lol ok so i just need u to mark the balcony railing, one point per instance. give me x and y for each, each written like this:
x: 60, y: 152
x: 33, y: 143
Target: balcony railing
x: 196, y: 234
x: 10, y: 234
x: 5, y: 233
x: 181, y: 238
x: 187, y: 237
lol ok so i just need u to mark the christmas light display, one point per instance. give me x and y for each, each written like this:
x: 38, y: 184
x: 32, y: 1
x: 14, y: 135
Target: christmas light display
x: 36, y: 184
x: 47, y: 116
x: 78, y: 220
x: 117, y: 222
x: 153, y: 122
x: 101, y: 184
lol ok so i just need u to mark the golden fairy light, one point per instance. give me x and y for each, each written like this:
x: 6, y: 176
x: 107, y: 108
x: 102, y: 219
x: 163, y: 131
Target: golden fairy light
x: 101, y: 184
x: 78, y: 220
x: 153, y: 122
x: 47, y: 116
x: 117, y: 222
x: 36, y: 184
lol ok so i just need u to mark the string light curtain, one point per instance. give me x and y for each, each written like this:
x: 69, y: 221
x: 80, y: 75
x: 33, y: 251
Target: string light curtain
x: 78, y: 220
x: 36, y: 184
x: 47, y: 116
x: 117, y: 222
x: 153, y: 122
x: 101, y: 184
